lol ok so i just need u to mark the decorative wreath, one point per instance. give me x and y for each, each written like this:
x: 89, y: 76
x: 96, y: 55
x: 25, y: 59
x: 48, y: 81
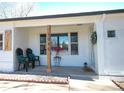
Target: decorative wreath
x: 94, y: 38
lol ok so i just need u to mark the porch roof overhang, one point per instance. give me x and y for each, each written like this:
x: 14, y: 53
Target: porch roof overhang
x: 65, y: 15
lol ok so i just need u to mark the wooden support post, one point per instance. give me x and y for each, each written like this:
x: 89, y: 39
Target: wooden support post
x: 49, y: 69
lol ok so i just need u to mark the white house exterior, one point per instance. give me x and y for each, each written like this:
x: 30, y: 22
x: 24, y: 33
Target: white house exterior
x: 106, y: 57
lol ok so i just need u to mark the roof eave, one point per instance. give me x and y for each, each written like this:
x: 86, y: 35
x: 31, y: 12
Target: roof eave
x: 65, y: 15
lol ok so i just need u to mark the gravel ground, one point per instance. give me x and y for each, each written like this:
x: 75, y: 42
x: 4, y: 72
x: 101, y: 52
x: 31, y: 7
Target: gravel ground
x: 8, y: 86
x: 93, y: 85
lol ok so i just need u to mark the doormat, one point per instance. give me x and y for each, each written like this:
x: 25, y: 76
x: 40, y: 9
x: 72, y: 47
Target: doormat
x: 34, y: 79
x: 119, y: 84
x: 87, y: 70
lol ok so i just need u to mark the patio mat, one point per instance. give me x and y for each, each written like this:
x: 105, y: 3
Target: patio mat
x: 35, y: 78
x: 119, y: 84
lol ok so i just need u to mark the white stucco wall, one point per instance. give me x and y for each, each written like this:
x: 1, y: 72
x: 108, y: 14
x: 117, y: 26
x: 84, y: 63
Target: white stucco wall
x: 114, y: 47
x: 20, y: 41
x: 109, y: 55
x: 6, y: 57
x: 84, y: 44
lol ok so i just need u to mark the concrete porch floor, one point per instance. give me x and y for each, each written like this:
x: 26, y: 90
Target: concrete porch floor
x: 73, y: 72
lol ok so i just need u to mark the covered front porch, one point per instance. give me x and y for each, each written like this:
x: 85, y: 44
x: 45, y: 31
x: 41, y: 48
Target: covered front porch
x: 74, y: 39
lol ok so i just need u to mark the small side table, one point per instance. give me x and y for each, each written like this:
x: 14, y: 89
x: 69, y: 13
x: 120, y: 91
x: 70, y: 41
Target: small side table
x: 57, y: 60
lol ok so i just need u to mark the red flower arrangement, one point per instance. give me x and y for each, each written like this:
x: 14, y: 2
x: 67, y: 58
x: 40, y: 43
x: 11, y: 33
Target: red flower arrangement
x: 58, y: 49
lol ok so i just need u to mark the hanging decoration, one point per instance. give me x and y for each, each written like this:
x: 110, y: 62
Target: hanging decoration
x: 94, y: 37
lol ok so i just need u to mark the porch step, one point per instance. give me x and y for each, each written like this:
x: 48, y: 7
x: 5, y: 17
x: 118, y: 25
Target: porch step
x: 34, y: 78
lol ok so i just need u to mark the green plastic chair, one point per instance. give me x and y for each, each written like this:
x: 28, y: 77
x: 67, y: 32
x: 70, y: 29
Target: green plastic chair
x: 31, y: 57
x: 21, y: 59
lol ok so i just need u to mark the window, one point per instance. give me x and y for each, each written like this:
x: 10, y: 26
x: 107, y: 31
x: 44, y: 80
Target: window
x: 111, y: 33
x: 74, y: 43
x: 43, y: 44
x: 1, y: 41
x: 60, y: 41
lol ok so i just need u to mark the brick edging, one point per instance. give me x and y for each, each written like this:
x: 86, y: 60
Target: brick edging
x: 118, y: 85
x: 35, y: 80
